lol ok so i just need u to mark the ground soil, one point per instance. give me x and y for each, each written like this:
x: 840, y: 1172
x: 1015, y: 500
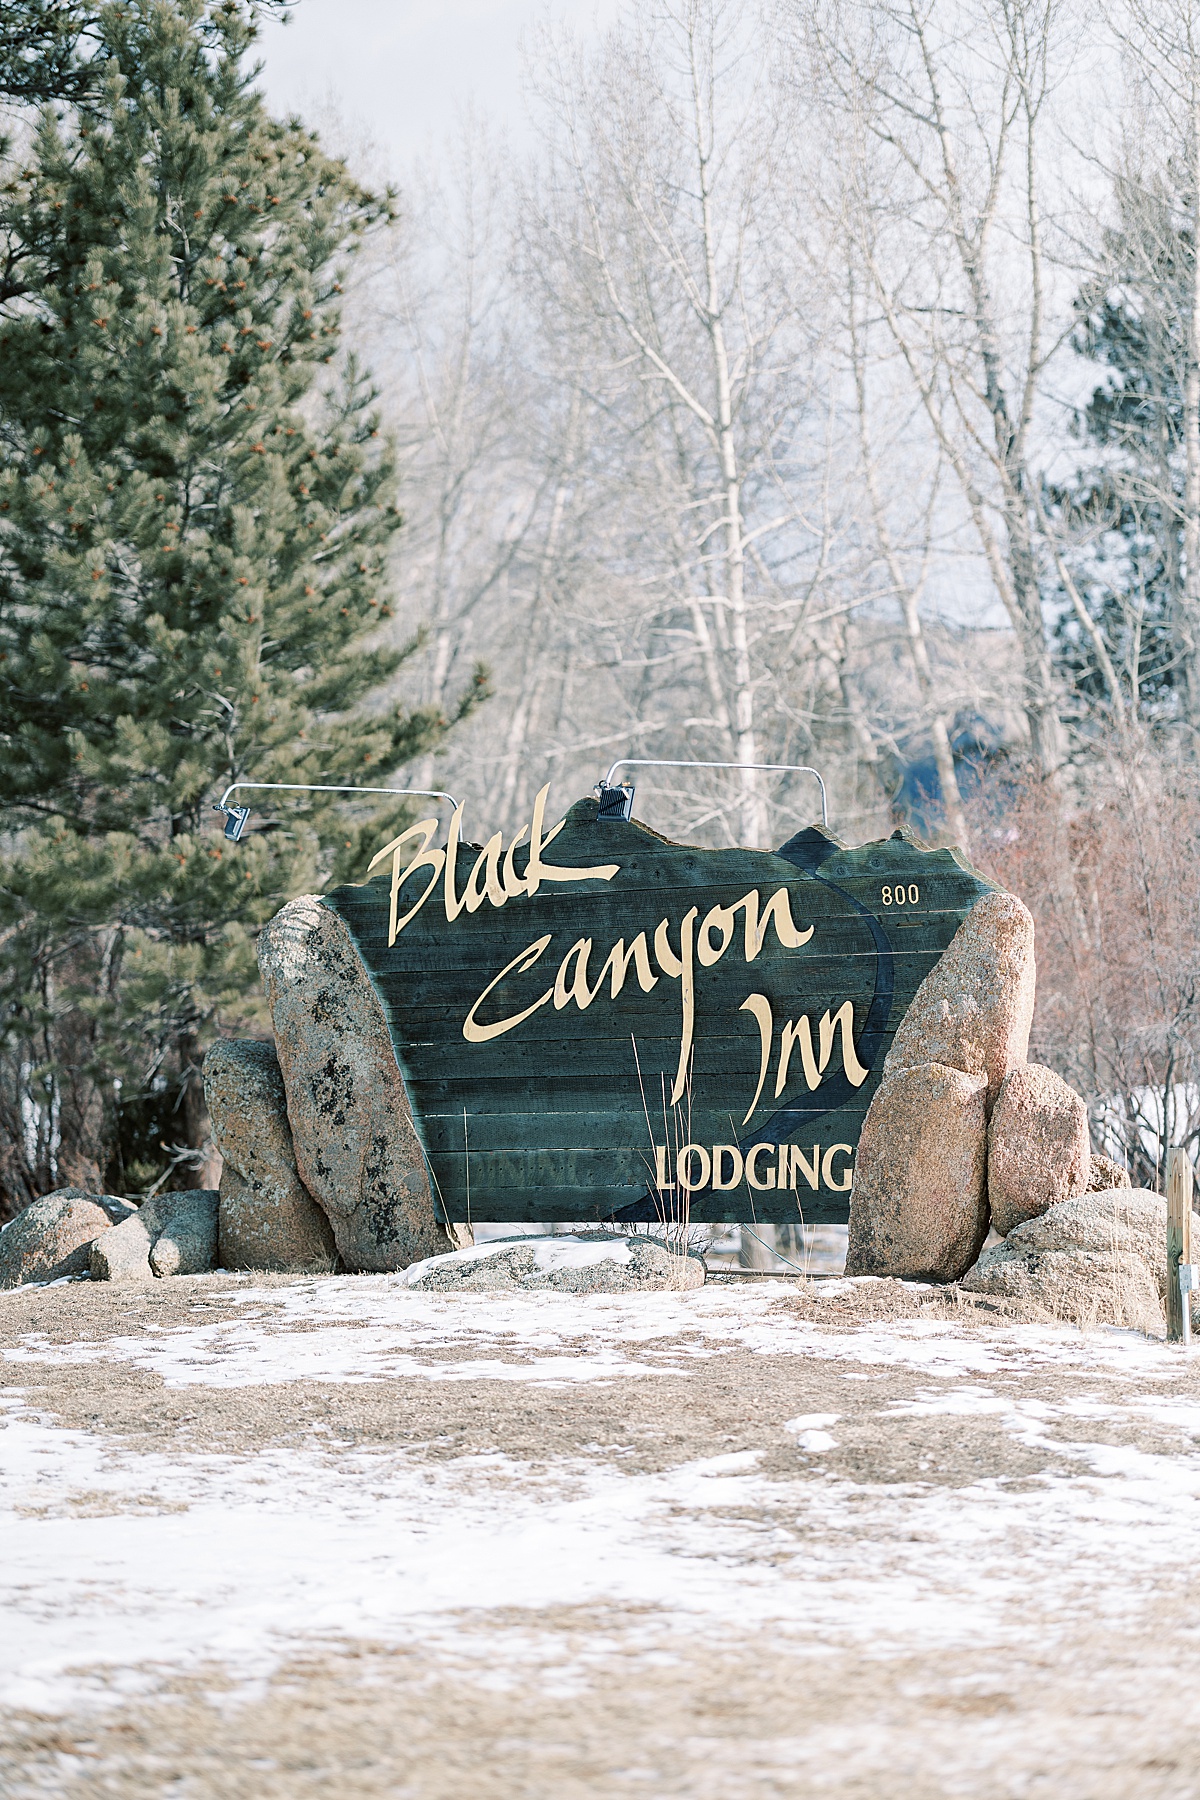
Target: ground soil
x: 608, y: 1700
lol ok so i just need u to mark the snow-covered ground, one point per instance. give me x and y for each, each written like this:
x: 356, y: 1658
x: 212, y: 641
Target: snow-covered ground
x: 221, y: 1476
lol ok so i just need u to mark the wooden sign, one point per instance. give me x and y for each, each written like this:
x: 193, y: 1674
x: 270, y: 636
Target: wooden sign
x: 593, y: 1022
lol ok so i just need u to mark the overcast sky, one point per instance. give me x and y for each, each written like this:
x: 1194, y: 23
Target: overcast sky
x: 399, y: 70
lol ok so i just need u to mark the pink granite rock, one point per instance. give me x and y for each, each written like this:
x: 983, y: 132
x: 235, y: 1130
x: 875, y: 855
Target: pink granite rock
x: 1105, y: 1174
x: 1039, y: 1150
x: 974, y: 1009
x: 919, y: 1203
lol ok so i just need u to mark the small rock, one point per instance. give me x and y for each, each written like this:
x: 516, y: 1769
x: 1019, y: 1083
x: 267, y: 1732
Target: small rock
x: 1039, y: 1151
x: 1105, y: 1173
x: 356, y: 1148
x: 123, y: 1254
x: 268, y: 1218
x: 187, y: 1242
x: 592, y: 1264
x: 52, y: 1237
x: 1100, y: 1258
x: 1127, y: 1218
x: 974, y: 1009
x: 918, y: 1208
x: 170, y: 1234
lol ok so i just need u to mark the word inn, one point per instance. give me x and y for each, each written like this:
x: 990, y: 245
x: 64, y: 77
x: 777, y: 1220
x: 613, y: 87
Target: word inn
x: 764, y: 1166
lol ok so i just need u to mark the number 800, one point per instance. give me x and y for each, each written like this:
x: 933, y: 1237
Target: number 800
x: 902, y: 896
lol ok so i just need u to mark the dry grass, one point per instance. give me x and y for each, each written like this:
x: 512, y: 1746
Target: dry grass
x: 886, y: 1301
x: 603, y: 1702
x: 651, y: 1715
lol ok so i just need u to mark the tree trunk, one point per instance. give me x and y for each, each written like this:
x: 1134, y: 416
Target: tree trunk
x: 202, y: 1169
x: 1190, y: 623
x: 943, y: 754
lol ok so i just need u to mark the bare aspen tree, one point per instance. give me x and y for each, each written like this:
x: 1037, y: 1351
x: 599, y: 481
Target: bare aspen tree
x: 653, y: 243
x: 906, y: 589
x: 442, y: 318
x: 650, y: 477
x: 944, y: 111
x: 545, y: 639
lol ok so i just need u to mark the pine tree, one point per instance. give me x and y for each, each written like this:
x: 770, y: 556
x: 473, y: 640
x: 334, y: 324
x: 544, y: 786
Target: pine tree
x: 44, y: 49
x: 1124, y: 508
x: 48, y: 48
x: 195, y: 520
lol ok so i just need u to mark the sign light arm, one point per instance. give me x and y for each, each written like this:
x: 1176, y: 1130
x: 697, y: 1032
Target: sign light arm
x: 236, y: 816
x: 617, y: 802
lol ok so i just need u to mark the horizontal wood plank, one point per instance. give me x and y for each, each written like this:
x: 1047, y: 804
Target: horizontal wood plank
x: 556, y: 1107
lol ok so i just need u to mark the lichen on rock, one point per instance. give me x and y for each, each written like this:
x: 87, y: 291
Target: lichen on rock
x: 1104, y: 1173
x: 267, y: 1217
x: 356, y: 1148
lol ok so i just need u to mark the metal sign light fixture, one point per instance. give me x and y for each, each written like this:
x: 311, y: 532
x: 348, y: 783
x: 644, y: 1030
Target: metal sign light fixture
x: 235, y: 821
x: 616, y: 801
x: 236, y: 817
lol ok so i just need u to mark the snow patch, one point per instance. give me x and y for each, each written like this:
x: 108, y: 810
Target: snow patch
x: 137, y: 1564
x: 238, y: 1561
x: 811, y: 1433
x: 374, y: 1328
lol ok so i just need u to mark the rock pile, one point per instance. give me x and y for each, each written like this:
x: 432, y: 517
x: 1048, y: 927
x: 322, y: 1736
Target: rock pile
x: 964, y: 1134
x: 323, y: 1167
x: 74, y: 1233
x: 919, y: 1205
x: 322, y: 1170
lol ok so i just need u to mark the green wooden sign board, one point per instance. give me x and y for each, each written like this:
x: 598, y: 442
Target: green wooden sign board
x: 595, y: 1022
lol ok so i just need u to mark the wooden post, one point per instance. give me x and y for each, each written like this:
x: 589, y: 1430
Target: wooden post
x: 1179, y: 1237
